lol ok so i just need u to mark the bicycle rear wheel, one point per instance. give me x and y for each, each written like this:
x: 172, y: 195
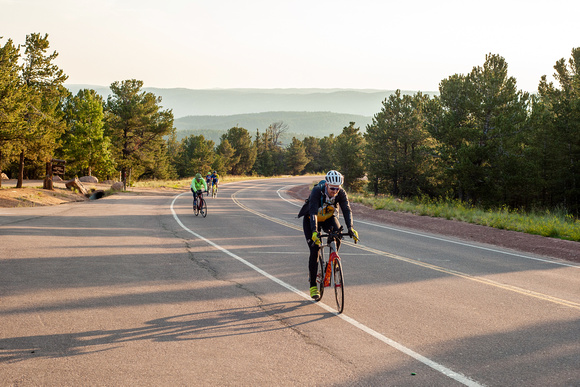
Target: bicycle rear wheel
x: 203, y: 209
x: 320, y: 274
x: 338, y: 285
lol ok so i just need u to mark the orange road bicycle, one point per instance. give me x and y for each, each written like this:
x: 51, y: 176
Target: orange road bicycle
x: 330, y: 273
x: 201, y: 207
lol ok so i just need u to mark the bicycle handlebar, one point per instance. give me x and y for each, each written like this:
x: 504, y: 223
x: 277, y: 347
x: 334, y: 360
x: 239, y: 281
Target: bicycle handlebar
x: 333, y: 234
x: 337, y: 235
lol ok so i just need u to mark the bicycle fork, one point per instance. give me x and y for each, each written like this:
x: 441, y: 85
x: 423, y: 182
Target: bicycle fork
x: 333, y: 256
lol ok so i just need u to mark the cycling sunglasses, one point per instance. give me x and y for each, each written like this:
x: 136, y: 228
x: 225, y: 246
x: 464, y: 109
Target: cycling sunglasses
x: 333, y: 189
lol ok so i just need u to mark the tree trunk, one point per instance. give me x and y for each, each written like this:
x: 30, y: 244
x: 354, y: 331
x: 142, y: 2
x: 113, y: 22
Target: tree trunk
x: 124, y: 178
x: 0, y: 168
x: 20, y: 171
x: 48, y: 178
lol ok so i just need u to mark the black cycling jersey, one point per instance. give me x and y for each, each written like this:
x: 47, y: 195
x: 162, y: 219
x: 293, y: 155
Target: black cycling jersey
x: 320, y: 207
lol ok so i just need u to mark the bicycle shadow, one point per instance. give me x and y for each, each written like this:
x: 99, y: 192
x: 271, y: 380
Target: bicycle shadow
x: 206, y: 325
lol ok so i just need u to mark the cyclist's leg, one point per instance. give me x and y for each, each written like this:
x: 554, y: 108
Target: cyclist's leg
x: 313, y: 263
x: 313, y: 257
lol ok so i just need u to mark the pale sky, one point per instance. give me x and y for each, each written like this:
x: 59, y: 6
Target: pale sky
x: 355, y: 44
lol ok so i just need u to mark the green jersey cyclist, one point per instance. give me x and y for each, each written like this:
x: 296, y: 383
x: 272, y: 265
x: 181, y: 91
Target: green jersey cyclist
x: 321, y: 213
x: 198, y: 185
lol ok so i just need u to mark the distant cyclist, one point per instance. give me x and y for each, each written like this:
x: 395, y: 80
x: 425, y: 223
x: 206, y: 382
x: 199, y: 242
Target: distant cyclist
x: 208, y: 179
x: 321, y: 213
x: 215, y: 179
x: 198, y: 185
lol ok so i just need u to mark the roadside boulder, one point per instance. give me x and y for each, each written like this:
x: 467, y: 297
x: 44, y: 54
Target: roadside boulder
x: 3, y: 176
x: 89, y: 179
x: 118, y: 186
x: 76, y: 184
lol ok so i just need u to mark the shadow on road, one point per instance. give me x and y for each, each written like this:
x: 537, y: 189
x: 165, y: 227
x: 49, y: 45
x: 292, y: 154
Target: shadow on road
x: 192, y: 326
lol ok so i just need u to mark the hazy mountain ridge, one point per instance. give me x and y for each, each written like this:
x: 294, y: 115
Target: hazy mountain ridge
x: 307, y: 123
x: 225, y: 102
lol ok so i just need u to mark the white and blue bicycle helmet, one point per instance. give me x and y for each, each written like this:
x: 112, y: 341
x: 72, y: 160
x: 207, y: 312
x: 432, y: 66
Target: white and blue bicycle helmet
x: 334, y: 178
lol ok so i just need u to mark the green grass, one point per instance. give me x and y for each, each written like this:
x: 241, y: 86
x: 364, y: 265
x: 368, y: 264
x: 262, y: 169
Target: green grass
x: 186, y: 183
x: 176, y: 184
x: 553, y: 224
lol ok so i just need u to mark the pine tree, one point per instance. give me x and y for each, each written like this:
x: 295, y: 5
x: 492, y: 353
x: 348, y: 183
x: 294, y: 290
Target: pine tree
x: 226, y: 157
x: 136, y: 125
x: 43, y: 82
x: 197, y: 156
x: 399, y: 148
x: 13, y: 102
x: 84, y: 144
x: 349, y: 155
x: 482, y: 134
x: 558, y: 133
x: 312, y: 148
x: 296, y: 158
x: 245, y: 151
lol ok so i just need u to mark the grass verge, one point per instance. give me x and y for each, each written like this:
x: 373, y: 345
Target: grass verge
x: 553, y: 224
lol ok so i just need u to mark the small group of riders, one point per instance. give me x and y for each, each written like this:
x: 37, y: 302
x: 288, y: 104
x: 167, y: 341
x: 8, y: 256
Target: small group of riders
x: 320, y: 212
x: 199, y: 184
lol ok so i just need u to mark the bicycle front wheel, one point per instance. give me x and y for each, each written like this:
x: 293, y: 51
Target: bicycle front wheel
x: 338, y: 285
x: 203, y: 209
x: 195, y: 209
x: 214, y: 192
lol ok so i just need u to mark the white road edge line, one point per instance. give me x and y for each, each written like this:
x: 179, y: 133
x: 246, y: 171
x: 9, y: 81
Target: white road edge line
x: 443, y: 239
x: 428, y: 362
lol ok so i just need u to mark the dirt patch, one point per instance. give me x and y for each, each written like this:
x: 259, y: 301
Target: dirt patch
x: 33, y: 197
x: 550, y: 247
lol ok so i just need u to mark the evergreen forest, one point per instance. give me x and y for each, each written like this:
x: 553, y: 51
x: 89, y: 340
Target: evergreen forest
x: 480, y: 140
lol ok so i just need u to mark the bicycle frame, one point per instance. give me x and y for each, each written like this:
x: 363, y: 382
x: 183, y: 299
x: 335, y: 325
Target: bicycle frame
x: 201, y: 206
x: 200, y: 200
x: 333, y: 253
x: 332, y: 256
x: 333, y: 268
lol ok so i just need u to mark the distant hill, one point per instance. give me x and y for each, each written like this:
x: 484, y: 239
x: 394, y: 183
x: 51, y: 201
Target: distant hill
x: 318, y: 124
x: 225, y: 102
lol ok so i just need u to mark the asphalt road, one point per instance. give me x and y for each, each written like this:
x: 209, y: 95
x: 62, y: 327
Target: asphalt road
x: 135, y: 290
